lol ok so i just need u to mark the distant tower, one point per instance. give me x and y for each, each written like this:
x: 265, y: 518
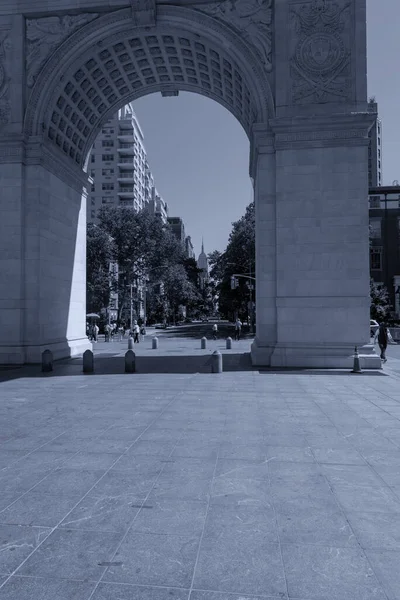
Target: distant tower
x: 202, y: 264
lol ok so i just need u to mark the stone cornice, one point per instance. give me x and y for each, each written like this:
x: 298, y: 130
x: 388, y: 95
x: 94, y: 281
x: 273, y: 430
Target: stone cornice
x: 35, y: 151
x: 322, y: 131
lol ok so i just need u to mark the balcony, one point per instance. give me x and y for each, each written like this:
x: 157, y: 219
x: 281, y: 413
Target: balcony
x: 125, y: 163
x: 126, y: 137
x: 125, y: 149
x: 126, y: 191
x: 126, y: 177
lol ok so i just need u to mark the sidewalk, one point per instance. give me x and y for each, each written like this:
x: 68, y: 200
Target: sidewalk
x: 244, y: 485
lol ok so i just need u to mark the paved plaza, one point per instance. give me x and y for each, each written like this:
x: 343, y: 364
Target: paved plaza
x: 199, y: 486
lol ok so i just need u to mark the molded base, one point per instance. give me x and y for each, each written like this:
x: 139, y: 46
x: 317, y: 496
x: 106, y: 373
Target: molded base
x: 313, y: 356
x: 19, y: 355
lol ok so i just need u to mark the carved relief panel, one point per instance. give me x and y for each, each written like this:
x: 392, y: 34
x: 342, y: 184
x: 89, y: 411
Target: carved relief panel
x: 320, y: 56
x: 251, y: 18
x: 44, y: 35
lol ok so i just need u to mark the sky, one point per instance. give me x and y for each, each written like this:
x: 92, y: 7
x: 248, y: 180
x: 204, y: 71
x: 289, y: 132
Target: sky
x: 199, y: 153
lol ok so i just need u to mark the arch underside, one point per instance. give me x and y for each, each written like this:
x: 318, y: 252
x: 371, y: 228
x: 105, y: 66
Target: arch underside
x: 108, y: 71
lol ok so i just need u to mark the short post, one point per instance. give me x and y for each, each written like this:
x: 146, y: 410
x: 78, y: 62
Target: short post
x: 203, y: 343
x: 47, y: 361
x: 154, y: 343
x: 130, y: 343
x: 229, y: 343
x: 130, y: 362
x: 356, y: 363
x: 216, y: 362
x: 88, y: 361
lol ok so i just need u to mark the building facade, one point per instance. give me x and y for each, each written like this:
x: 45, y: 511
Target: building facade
x: 375, y: 156
x: 189, y: 248
x: 178, y: 229
x: 118, y: 165
x: 158, y: 206
x: 384, y: 219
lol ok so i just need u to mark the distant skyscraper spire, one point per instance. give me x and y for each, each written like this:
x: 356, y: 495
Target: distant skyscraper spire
x: 202, y: 244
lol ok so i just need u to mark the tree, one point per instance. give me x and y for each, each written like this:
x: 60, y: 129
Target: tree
x: 380, y: 302
x: 239, y: 257
x: 99, y: 254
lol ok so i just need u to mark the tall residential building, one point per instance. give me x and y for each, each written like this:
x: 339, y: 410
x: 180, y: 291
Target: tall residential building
x: 118, y: 165
x: 375, y: 178
x: 189, y: 249
x: 158, y: 206
x: 178, y: 229
x: 202, y: 263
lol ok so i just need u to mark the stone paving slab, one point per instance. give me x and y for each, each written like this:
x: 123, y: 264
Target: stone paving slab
x: 239, y: 486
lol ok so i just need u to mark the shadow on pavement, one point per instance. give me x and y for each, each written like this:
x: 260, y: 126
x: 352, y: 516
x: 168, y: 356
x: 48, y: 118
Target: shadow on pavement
x: 115, y: 365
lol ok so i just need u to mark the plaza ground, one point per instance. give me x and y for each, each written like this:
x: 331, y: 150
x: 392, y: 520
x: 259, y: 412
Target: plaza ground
x: 190, y: 485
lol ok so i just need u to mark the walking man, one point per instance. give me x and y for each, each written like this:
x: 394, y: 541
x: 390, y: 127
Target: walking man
x: 215, y: 331
x: 238, y: 329
x: 136, y: 331
x: 382, y: 335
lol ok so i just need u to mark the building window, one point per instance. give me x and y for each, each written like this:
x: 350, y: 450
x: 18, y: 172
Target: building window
x: 107, y: 157
x: 93, y: 158
x: 105, y: 130
x: 107, y: 186
x: 93, y: 201
x: 93, y: 188
x: 93, y: 214
x: 376, y: 259
x: 92, y: 172
x: 107, y: 172
x: 107, y: 200
x: 375, y: 228
x: 107, y: 143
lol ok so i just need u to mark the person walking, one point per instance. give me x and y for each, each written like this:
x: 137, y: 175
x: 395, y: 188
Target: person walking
x: 215, y: 331
x: 238, y: 329
x: 142, y: 331
x: 136, y: 331
x: 95, y: 332
x: 383, y: 336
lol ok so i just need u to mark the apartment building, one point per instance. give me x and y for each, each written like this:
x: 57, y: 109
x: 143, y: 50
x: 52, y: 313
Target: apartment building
x: 118, y: 165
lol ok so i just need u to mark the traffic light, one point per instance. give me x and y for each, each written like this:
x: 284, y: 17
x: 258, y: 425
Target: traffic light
x: 234, y: 282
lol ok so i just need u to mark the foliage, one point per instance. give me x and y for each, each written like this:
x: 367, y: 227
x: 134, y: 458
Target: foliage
x: 99, y: 253
x: 146, y: 251
x: 239, y: 258
x: 380, y: 303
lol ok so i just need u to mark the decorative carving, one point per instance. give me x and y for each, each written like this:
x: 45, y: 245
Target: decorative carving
x: 320, y: 64
x: 252, y: 18
x: 144, y: 12
x: 43, y: 35
x: 5, y: 107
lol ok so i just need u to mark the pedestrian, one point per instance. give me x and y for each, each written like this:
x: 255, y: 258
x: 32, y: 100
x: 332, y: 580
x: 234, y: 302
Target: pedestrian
x: 215, y: 331
x: 95, y: 332
x: 142, y: 331
x: 121, y: 330
x: 107, y: 333
x: 136, y: 331
x: 238, y: 329
x: 382, y: 335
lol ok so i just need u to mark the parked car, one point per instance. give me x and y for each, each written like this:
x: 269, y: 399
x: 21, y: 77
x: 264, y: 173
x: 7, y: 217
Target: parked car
x: 374, y: 325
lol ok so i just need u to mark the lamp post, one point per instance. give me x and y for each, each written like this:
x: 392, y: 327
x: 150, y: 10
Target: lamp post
x: 131, y: 316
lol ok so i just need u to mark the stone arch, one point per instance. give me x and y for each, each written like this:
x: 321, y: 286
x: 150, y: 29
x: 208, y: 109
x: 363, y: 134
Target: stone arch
x: 107, y: 63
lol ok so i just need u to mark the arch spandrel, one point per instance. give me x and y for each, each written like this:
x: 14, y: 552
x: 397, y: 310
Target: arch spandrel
x: 108, y: 62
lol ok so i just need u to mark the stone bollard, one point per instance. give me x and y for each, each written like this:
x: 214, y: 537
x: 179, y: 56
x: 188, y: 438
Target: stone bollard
x: 154, y: 343
x: 203, y: 343
x: 130, y: 362
x: 47, y: 361
x: 356, y: 364
x: 130, y: 343
x: 88, y: 361
x: 216, y: 362
x: 229, y: 343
